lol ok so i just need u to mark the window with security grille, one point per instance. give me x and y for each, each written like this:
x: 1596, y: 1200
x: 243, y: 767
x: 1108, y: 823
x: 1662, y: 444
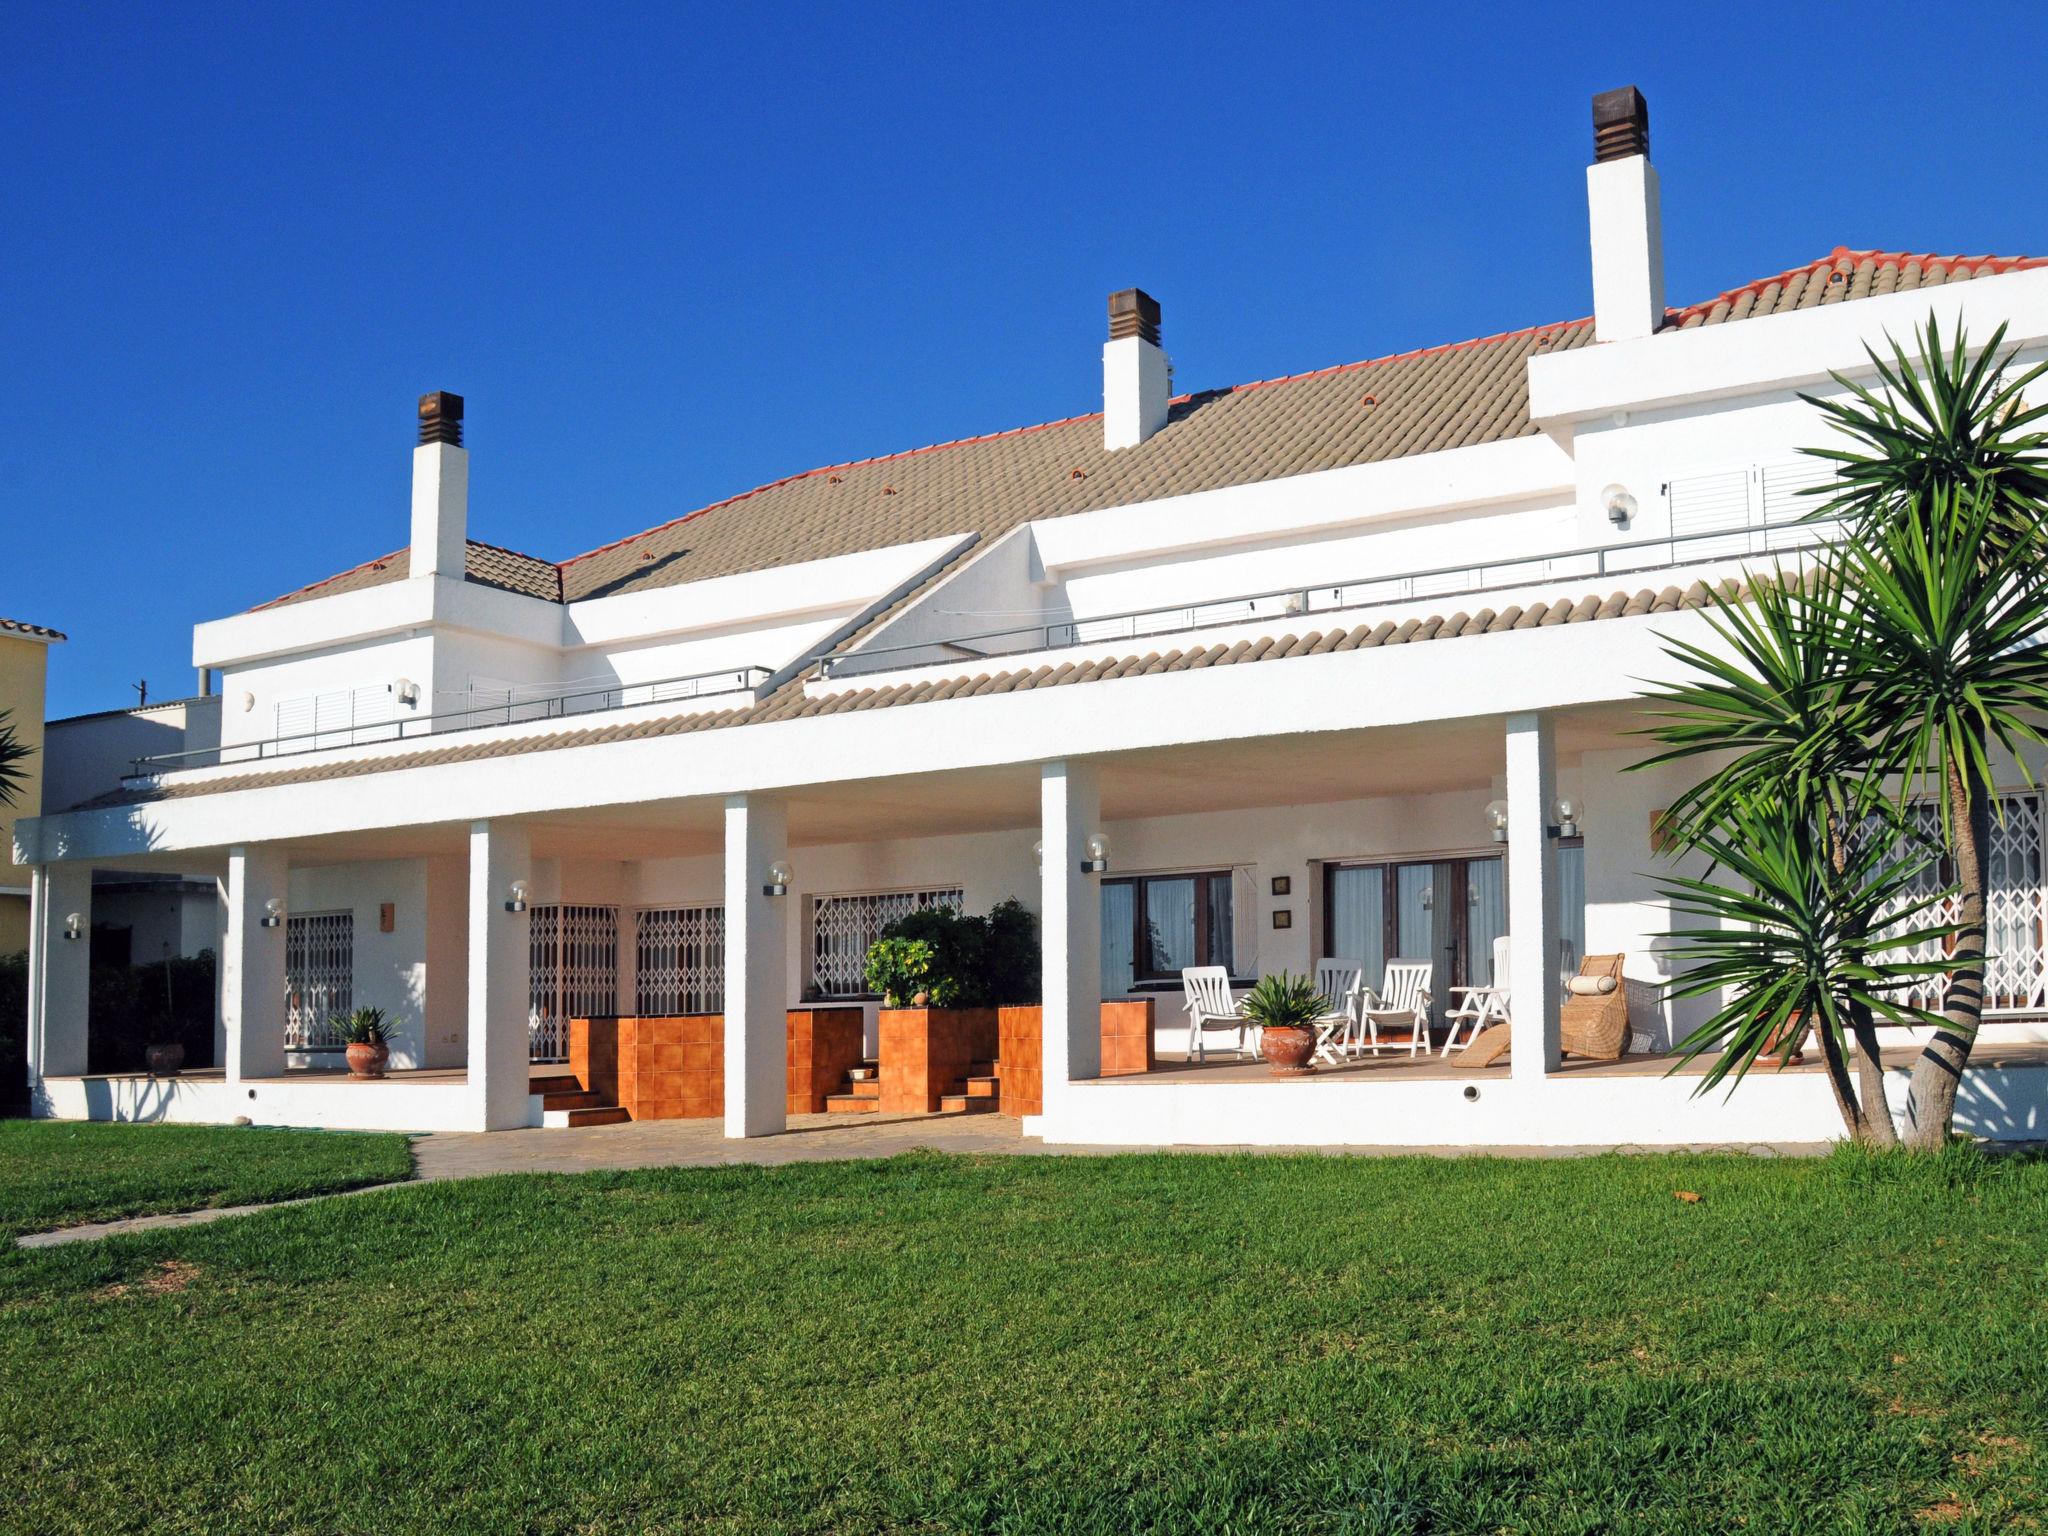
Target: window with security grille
x: 573, y: 974
x: 2016, y: 967
x: 679, y: 961
x: 845, y: 927
x: 319, y: 977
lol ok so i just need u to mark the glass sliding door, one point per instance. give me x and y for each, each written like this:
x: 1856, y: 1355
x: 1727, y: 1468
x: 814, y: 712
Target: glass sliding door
x: 1445, y: 911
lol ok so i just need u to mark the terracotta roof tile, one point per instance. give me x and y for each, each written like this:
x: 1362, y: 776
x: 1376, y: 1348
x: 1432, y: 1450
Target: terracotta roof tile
x: 34, y: 631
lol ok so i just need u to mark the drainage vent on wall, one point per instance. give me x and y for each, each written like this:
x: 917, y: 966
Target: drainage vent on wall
x: 1471, y: 1094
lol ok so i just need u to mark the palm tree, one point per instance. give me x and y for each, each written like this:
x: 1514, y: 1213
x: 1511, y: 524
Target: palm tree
x: 1943, y: 492
x: 1898, y: 665
x: 12, y: 755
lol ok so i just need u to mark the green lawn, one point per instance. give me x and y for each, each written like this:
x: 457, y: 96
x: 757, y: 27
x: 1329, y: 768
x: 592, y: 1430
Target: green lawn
x: 1155, y: 1343
x: 56, y: 1173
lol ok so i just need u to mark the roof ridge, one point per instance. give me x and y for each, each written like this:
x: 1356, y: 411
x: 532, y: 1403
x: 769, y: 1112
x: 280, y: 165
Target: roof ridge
x: 826, y: 469
x: 1068, y: 421
x: 1677, y: 316
x: 328, y: 581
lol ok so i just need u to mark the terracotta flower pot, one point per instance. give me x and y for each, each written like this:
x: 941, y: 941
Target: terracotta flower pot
x: 1287, y: 1048
x: 368, y: 1060
x: 164, y: 1060
x: 1796, y: 1028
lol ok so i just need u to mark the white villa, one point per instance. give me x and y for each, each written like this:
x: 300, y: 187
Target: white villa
x: 1279, y: 647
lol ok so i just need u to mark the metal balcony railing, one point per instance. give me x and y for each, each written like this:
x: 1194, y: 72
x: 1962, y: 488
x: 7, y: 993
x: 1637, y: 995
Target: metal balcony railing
x: 1595, y: 562
x: 552, y: 706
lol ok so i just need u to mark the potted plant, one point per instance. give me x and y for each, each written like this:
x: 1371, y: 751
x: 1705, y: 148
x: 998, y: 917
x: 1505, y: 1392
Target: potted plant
x: 164, y: 1058
x: 367, y: 1034
x: 1285, y: 1008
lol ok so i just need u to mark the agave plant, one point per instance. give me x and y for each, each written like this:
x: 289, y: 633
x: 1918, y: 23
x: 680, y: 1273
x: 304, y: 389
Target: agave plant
x: 13, y: 776
x: 1284, y: 1000
x: 363, y: 1026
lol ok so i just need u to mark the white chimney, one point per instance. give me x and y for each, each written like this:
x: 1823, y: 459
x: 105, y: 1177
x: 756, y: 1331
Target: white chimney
x: 1628, y: 225
x: 440, y: 490
x: 1135, y: 378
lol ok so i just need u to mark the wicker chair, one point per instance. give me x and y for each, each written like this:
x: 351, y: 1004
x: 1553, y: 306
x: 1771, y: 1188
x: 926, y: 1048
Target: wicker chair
x: 1589, y: 1024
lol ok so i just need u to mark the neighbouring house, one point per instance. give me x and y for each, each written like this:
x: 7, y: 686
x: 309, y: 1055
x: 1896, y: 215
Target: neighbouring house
x: 1342, y: 665
x: 138, y: 916
x: 24, y: 670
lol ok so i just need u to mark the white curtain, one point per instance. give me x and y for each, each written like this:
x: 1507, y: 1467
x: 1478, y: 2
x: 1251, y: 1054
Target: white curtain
x: 1119, y: 963
x: 1358, y: 919
x: 1170, y: 918
x: 1487, y: 894
x: 1244, y: 921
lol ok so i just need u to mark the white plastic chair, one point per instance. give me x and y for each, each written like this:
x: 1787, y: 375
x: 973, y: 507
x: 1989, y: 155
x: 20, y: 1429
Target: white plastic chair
x: 1403, y: 999
x: 1337, y: 1031
x: 1480, y: 1006
x: 1209, y: 1005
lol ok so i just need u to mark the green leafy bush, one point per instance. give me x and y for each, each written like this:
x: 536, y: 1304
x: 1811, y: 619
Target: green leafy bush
x: 899, y: 968
x: 161, y: 1003
x: 967, y: 961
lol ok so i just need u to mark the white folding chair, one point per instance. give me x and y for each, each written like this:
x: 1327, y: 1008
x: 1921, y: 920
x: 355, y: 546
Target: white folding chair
x: 1403, y: 1000
x: 1209, y: 1005
x: 1340, y: 982
x: 1478, y: 1007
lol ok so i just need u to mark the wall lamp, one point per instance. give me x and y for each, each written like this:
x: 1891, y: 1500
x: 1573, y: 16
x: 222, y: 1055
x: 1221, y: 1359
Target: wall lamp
x: 517, y: 901
x: 1097, y: 851
x: 779, y: 876
x: 74, y: 925
x: 273, y: 913
x: 407, y: 691
x: 1619, y: 504
x: 1569, y: 814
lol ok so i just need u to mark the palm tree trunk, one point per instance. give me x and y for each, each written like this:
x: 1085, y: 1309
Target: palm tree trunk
x: 1875, y: 1128
x: 1938, y: 1074
x: 1865, y: 1108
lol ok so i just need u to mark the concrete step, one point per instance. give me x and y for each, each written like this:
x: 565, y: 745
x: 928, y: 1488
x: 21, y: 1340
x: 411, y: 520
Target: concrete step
x: 963, y: 1104
x: 574, y: 1099
x: 850, y: 1104
x: 554, y: 1082
x: 596, y: 1114
x: 863, y: 1088
x: 989, y: 1087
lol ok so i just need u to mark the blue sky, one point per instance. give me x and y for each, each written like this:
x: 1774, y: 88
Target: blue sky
x: 671, y: 252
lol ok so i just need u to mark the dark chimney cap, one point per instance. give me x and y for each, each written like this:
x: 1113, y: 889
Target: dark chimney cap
x: 441, y: 418
x: 1621, y: 124
x: 1133, y: 312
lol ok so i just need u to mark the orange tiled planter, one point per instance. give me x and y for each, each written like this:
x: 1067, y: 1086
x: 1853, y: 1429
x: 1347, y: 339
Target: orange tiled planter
x: 1126, y: 1049
x: 922, y: 1052
x: 673, y: 1068
x: 823, y: 1044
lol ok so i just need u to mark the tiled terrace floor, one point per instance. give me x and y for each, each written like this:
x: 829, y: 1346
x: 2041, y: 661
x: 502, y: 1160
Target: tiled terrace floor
x: 1400, y: 1067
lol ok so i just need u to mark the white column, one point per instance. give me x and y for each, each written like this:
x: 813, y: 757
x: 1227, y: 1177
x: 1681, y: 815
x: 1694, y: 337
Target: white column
x: 1534, y: 923
x: 756, y: 966
x: 1070, y: 919
x: 59, y: 971
x: 252, y: 985
x: 500, y: 965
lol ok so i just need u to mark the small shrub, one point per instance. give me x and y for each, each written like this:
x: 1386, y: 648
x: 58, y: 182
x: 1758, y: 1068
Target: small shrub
x: 899, y: 968
x: 973, y: 962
